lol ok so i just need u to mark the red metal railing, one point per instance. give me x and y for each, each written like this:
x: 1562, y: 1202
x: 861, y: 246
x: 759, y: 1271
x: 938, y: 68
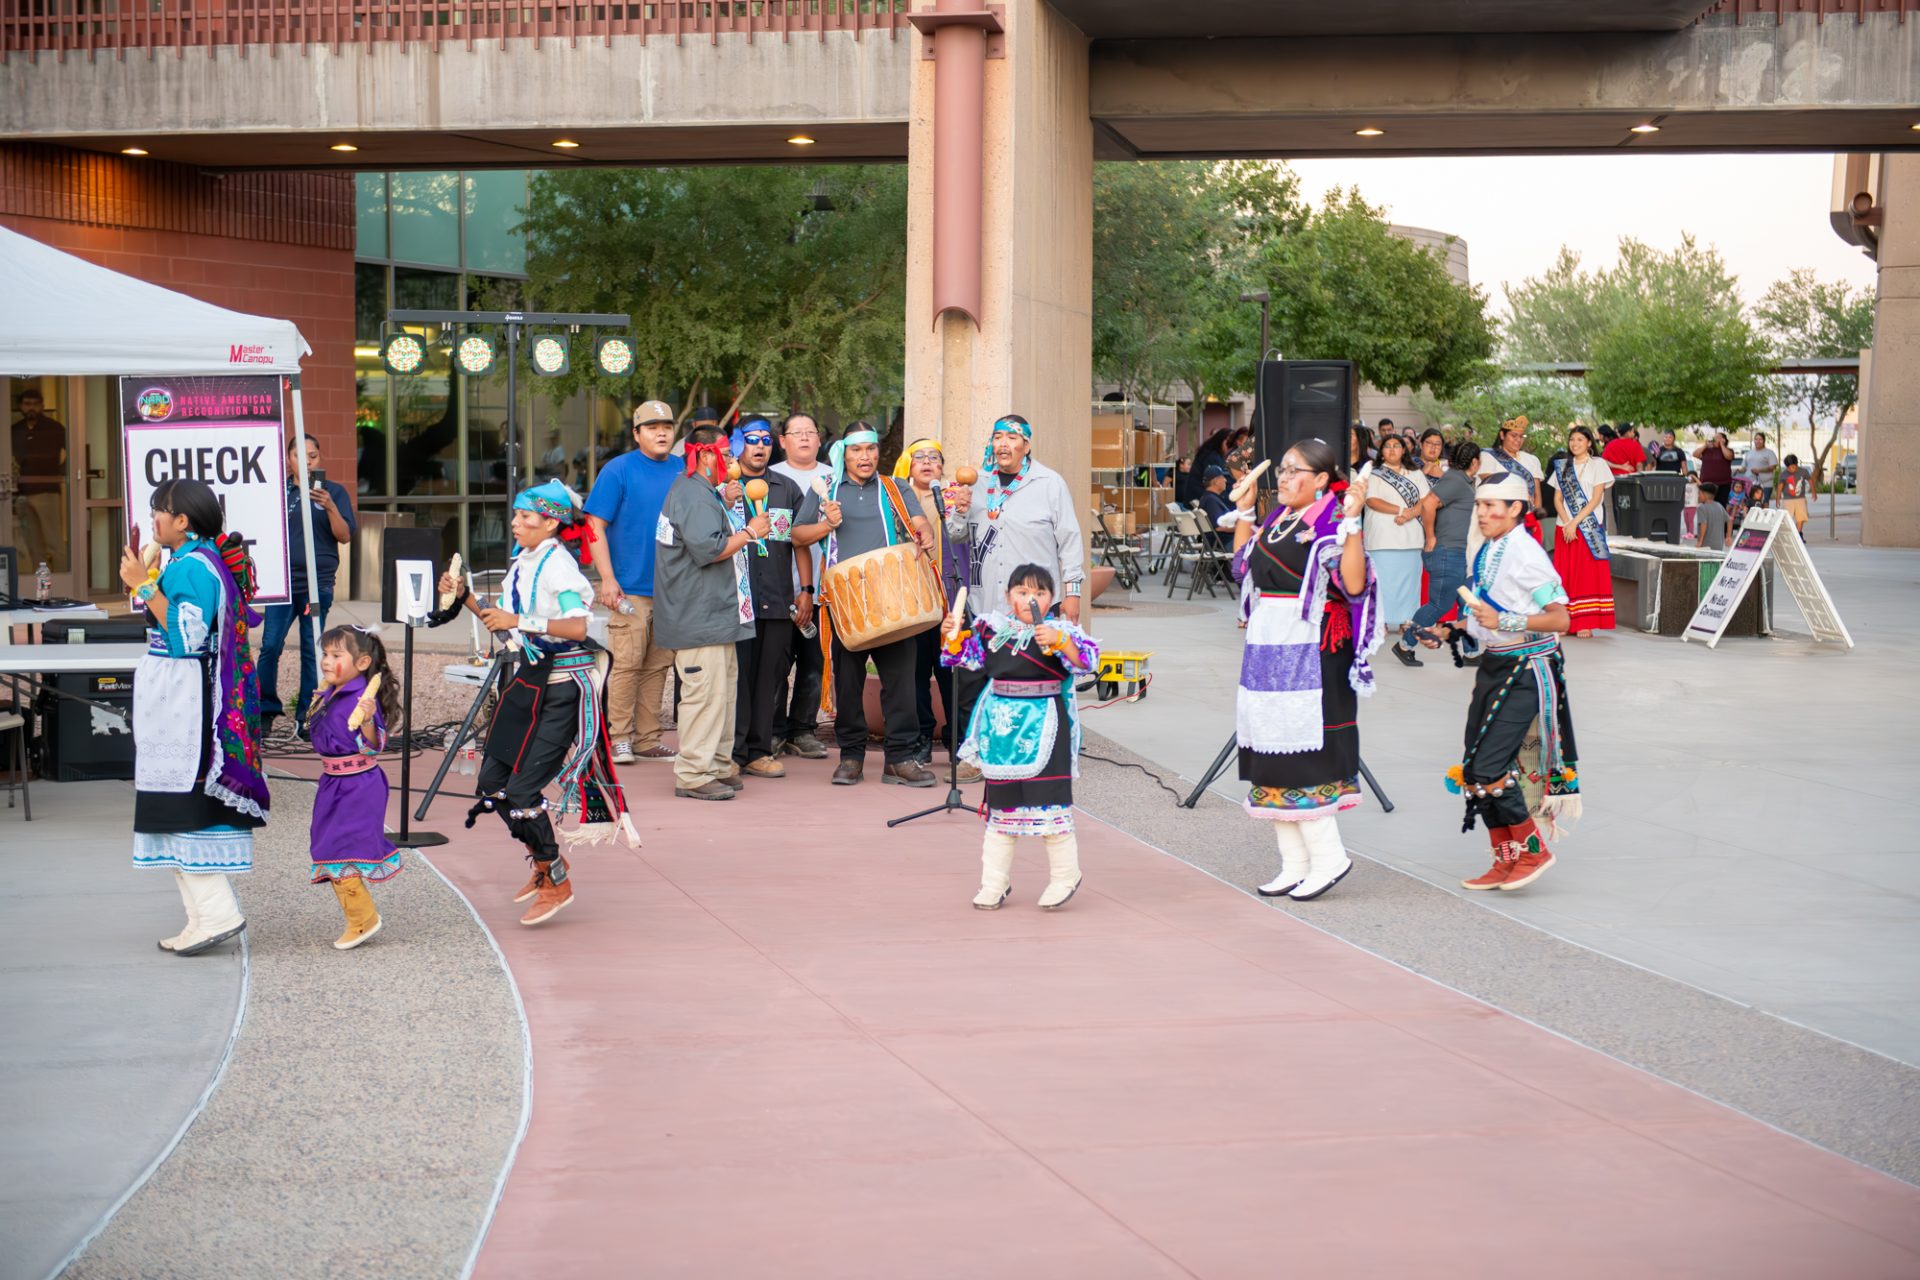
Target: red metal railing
x: 90, y: 26
x: 1858, y: 10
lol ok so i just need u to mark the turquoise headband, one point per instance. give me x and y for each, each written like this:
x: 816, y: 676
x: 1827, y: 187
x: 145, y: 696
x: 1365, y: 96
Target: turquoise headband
x: 836, y: 456
x: 552, y: 499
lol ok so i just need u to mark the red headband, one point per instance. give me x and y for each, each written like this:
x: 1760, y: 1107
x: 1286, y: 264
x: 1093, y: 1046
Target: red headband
x: 718, y: 449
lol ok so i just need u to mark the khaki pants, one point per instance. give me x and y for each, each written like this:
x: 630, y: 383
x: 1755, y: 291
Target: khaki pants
x: 708, y: 679
x: 637, y: 677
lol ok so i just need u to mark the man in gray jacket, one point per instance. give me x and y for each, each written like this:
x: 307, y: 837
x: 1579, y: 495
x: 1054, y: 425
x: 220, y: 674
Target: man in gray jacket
x: 703, y: 607
x: 1020, y: 512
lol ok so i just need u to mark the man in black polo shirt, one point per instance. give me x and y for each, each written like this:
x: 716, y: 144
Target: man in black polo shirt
x: 332, y: 525
x: 860, y: 517
x: 782, y: 601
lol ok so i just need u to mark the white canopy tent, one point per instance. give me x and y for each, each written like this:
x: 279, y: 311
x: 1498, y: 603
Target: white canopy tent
x: 87, y: 320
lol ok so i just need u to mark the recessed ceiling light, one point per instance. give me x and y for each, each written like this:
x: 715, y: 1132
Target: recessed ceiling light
x: 343, y: 146
x: 565, y: 144
x: 140, y: 151
x: 1914, y: 125
x: 800, y: 140
x: 1368, y: 132
x: 1645, y: 128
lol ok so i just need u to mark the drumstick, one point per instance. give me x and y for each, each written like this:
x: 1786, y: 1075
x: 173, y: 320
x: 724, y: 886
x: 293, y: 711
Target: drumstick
x: 1248, y: 480
x: 454, y: 568
x: 364, y: 707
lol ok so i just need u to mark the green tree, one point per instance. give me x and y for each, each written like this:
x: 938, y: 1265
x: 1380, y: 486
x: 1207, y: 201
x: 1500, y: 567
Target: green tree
x: 1550, y: 405
x: 1675, y: 365
x: 1808, y: 318
x: 782, y: 284
x: 1346, y: 288
x: 1560, y: 315
x: 1174, y: 245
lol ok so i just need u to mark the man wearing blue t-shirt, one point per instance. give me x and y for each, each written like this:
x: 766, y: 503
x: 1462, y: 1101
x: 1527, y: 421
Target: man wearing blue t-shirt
x: 624, y: 512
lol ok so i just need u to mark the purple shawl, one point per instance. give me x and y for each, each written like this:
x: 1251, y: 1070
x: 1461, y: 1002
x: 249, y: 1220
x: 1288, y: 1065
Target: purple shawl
x: 237, y: 781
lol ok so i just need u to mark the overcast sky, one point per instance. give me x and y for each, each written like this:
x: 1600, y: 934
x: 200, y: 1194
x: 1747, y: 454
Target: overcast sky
x: 1765, y: 214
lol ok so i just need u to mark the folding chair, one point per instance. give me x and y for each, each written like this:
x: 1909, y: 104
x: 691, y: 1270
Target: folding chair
x: 1118, y: 551
x: 1162, y: 553
x: 1208, y: 563
x: 1182, y: 551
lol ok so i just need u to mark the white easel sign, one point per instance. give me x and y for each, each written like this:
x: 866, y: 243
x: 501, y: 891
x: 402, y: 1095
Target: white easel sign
x: 1765, y: 532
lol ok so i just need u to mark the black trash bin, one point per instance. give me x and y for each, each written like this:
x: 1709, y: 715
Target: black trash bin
x: 1648, y: 505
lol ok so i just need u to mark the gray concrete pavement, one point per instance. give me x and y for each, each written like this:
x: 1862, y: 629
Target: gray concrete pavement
x: 107, y: 1049
x: 1750, y: 826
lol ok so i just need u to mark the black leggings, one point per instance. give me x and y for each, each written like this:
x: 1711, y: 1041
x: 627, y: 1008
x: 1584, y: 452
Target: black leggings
x: 533, y: 732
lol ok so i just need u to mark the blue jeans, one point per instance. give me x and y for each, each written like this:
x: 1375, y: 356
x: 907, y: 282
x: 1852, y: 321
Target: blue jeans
x: 273, y: 638
x: 1446, y: 573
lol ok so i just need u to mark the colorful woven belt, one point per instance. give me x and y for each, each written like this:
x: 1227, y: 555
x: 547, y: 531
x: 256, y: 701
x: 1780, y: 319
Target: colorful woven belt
x: 343, y: 766
x: 1028, y: 688
x: 1531, y: 649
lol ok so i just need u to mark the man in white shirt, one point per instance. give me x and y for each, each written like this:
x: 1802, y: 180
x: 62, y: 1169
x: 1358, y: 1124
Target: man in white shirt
x: 795, y: 725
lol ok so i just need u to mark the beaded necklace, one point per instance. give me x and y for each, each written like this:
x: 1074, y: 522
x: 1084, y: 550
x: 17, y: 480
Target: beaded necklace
x: 997, y: 496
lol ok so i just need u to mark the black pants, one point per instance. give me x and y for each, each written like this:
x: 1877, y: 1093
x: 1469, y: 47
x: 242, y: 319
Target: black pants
x: 762, y: 688
x: 532, y: 734
x: 926, y: 669
x: 801, y: 714
x: 1506, y: 702
x: 894, y: 662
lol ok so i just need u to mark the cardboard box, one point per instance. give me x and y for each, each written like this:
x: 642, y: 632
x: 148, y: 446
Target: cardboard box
x: 1152, y: 446
x: 1108, y: 457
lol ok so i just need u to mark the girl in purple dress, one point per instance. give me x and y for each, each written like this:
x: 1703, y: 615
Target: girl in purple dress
x: 348, y: 721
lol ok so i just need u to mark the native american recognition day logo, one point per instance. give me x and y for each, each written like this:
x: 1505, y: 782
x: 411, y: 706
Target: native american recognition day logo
x: 155, y: 404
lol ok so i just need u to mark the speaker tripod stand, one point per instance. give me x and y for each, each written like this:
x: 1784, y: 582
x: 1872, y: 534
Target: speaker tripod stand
x: 1219, y: 766
x: 955, y: 802
x: 497, y: 674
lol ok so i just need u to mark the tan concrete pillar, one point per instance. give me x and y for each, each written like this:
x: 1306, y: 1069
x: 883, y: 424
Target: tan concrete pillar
x: 1032, y: 353
x: 1890, y: 398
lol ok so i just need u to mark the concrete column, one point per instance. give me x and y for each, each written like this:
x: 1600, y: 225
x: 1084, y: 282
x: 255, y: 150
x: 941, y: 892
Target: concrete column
x: 1032, y: 353
x: 1890, y: 400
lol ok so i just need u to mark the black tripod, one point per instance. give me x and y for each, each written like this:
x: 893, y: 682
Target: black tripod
x: 955, y: 802
x: 409, y: 839
x: 496, y: 674
x: 1219, y: 766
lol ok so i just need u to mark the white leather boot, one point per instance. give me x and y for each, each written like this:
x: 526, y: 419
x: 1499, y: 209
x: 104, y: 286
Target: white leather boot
x: 193, y: 914
x: 219, y: 914
x: 1063, y: 870
x: 1327, y: 859
x: 996, y: 871
x: 1293, y: 861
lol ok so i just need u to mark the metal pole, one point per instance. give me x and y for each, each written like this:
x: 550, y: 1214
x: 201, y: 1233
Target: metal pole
x: 513, y: 414
x: 1264, y: 347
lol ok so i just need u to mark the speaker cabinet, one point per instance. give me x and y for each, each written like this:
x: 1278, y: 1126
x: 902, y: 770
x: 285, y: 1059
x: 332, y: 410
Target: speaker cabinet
x: 1302, y: 400
x: 398, y: 544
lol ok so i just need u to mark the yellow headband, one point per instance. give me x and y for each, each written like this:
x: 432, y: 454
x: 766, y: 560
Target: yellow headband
x: 904, y: 464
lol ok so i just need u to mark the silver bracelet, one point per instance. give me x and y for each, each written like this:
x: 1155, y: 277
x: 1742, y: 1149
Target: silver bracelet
x: 529, y: 623
x: 1073, y: 587
x: 1513, y: 622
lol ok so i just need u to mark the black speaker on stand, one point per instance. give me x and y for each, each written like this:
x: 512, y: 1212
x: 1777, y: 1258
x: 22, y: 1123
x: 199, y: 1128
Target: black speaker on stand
x: 1302, y: 400
x: 414, y: 546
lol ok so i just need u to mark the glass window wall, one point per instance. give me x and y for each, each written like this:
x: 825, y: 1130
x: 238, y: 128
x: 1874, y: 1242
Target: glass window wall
x: 433, y: 444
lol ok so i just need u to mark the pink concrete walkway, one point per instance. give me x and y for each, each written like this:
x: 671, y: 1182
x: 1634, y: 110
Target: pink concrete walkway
x: 778, y: 1042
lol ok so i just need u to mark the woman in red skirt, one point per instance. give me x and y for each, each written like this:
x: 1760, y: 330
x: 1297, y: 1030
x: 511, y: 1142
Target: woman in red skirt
x: 1580, y: 543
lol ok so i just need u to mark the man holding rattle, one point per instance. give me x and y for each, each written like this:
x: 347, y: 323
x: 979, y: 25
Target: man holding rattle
x: 1520, y: 757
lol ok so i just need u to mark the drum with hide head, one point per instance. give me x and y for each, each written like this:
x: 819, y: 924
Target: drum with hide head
x: 884, y: 595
